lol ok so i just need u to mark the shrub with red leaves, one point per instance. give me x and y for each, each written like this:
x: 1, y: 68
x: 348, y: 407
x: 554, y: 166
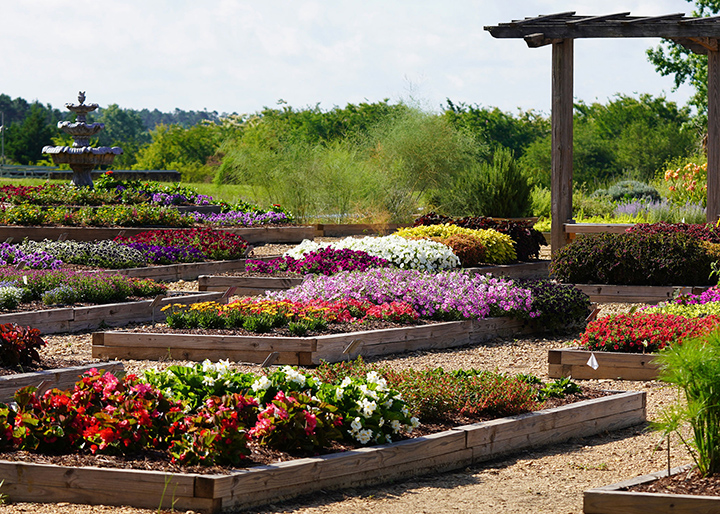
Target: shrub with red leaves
x: 19, y: 345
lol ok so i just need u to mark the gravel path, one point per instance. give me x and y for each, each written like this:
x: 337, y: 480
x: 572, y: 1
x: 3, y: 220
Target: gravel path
x: 549, y: 480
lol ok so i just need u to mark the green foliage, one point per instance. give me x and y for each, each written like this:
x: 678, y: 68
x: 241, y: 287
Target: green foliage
x: 626, y: 190
x: 560, y: 388
x: 659, y: 259
x: 694, y: 367
x: 495, y: 127
x: 497, y: 188
x: 671, y: 58
x: 25, y: 140
x: 628, y: 136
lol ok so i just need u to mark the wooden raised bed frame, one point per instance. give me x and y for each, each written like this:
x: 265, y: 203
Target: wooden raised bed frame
x: 260, y: 485
x: 608, y: 293
x: 304, y: 351
x: 74, y: 319
x: 61, y: 378
x: 616, y: 499
x: 612, y: 365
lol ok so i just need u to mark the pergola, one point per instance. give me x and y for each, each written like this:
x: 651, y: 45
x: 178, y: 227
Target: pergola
x: 699, y: 35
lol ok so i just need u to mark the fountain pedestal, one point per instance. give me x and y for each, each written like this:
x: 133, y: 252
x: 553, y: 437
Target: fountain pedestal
x: 82, y: 157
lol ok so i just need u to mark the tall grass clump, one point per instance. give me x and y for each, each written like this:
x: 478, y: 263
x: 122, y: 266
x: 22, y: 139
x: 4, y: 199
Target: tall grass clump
x: 694, y: 367
x: 496, y: 188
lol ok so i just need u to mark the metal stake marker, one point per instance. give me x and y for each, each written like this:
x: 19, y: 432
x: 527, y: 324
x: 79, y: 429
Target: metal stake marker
x: 228, y: 293
x: 351, y: 347
x: 270, y: 360
x: 63, y: 236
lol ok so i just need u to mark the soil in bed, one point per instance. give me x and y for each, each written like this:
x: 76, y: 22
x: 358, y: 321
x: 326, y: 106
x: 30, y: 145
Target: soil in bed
x: 160, y: 461
x: 44, y: 364
x: 688, y: 482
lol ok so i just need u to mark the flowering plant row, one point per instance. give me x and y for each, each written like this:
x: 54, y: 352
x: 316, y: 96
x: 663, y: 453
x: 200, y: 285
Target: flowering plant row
x: 402, y: 253
x: 286, y: 410
x: 262, y: 315
x: 67, y: 287
x: 208, y: 243
x: 323, y: 261
x: 499, y: 248
x: 644, y: 332
x: 446, y: 295
x: 527, y: 240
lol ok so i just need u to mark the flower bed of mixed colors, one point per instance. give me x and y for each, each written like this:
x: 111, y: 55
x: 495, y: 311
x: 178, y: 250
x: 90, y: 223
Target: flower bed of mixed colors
x: 54, y: 287
x: 212, y: 244
x: 447, y: 295
x: 120, y: 197
x: 402, y: 253
x: 324, y: 261
x: 497, y: 248
x: 262, y: 315
x: 208, y: 414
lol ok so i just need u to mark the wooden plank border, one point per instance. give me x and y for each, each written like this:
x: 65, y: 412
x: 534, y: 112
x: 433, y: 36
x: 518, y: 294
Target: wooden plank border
x: 74, y: 319
x: 300, y: 350
x: 609, y: 293
x: 612, y: 365
x: 452, y: 449
x: 61, y: 378
x: 616, y: 499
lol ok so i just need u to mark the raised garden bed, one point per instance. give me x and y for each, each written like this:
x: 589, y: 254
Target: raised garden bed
x: 301, y: 350
x: 617, y: 499
x: 262, y: 234
x: 61, y: 378
x: 613, y: 365
x: 183, y: 271
x: 248, y: 488
x: 74, y: 319
x: 259, y: 284
x: 608, y: 293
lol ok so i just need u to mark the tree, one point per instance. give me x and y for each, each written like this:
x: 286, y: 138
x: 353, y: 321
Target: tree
x: 24, y: 141
x: 671, y: 58
x: 123, y: 128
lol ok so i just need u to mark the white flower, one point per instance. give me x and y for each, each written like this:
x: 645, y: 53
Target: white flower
x: 261, y: 384
x: 396, y: 426
x: 405, y: 411
x: 375, y: 378
x: 364, y: 436
x: 388, y: 403
x: 367, y: 407
x: 381, y: 422
x: 414, y: 422
x: 208, y: 380
x: 207, y: 366
x: 293, y: 375
x: 356, y: 424
x: 339, y: 392
x: 222, y: 366
x: 346, y: 382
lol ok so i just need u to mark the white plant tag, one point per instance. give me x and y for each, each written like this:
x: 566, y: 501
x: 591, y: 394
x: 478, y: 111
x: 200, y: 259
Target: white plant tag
x: 592, y: 362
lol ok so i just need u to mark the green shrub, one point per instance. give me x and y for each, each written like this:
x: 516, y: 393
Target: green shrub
x: 654, y: 259
x: 626, y: 190
x: 497, y: 188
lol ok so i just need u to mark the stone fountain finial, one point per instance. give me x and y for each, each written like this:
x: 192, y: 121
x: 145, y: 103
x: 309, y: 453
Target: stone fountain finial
x: 81, y: 157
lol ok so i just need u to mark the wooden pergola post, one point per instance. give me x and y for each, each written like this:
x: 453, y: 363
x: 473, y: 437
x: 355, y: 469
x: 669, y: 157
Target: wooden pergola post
x: 562, y: 141
x: 713, y: 140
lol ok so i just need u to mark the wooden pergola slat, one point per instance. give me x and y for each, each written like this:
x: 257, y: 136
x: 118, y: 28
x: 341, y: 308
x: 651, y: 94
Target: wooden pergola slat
x: 700, y: 35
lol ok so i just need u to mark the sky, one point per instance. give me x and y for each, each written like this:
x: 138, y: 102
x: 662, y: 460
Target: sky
x: 241, y: 55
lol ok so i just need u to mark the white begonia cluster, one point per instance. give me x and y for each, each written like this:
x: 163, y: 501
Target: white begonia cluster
x: 261, y: 384
x: 367, y: 407
x: 293, y: 375
x: 221, y: 367
x: 375, y: 378
x: 421, y: 254
x: 363, y: 435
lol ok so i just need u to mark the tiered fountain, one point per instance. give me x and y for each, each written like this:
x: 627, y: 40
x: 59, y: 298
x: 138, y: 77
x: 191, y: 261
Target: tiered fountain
x: 82, y: 157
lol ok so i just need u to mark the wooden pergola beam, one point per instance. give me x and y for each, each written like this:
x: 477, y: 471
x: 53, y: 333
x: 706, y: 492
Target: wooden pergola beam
x: 562, y: 141
x: 701, y: 35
